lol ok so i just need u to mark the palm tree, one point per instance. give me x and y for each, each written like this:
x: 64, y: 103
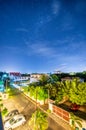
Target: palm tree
x: 38, y: 121
x: 75, y: 121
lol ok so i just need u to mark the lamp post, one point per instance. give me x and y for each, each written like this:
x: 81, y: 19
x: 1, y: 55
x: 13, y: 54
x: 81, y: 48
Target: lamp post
x: 6, y: 85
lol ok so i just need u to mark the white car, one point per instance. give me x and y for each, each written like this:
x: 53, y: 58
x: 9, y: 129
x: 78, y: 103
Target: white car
x: 14, y: 122
x: 11, y: 114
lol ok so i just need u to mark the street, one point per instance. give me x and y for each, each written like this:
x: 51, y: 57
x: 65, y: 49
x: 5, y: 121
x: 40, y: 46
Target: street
x: 27, y: 107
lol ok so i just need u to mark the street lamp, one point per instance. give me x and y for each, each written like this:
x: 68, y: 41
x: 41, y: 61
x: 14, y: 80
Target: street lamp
x: 6, y: 84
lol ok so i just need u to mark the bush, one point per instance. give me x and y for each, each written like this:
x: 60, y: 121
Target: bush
x: 4, y: 111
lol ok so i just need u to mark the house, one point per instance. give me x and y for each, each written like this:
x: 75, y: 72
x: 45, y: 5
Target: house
x: 34, y: 77
x: 66, y: 78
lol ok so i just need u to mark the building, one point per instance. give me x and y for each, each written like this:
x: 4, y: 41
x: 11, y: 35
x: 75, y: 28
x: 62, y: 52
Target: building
x: 35, y: 77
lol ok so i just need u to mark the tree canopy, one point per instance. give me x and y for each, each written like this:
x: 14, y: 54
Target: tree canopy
x: 38, y: 121
x: 74, y: 90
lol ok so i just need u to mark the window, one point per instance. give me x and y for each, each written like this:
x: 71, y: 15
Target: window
x: 19, y: 119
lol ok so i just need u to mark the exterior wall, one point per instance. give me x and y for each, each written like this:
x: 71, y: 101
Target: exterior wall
x: 4, y: 96
x: 50, y: 102
x: 83, y: 125
x: 14, y: 75
x: 35, y: 76
x: 61, y: 113
x: 33, y: 80
x: 66, y: 78
x: 51, y: 107
x: 40, y: 102
x: 65, y: 115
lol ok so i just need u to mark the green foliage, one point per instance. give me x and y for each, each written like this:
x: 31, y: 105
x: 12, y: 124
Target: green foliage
x: 32, y: 90
x: 54, y: 78
x: 2, y: 108
x: 74, y: 90
x: 43, y: 79
x: 38, y: 121
x: 12, y: 91
x: 53, y: 90
x: 25, y: 89
x: 0, y: 98
x: 4, y: 111
x: 42, y: 95
x: 39, y: 93
x: 78, y: 94
x: 48, y: 110
x: 1, y: 105
x: 75, y: 121
x: 59, y: 97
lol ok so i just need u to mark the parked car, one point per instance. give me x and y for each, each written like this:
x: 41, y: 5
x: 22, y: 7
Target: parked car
x: 11, y: 114
x: 74, y: 107
x: 14, y: 122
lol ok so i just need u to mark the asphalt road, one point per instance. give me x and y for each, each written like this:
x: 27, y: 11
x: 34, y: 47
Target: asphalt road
x: 27, y: 107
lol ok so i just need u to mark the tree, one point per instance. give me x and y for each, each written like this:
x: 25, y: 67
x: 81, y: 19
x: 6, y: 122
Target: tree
x: 48, y: 87
x: 74, y: 91
x: 31, y: 90
x: 78, y: 94
x: 75, y: 121
x: 41, y: 93
x: 3, y: 109
x: 43, y: 79
x: 53, y: 90
x: 63, y: 91
x: 1, y: 104
x: 38, y: 121
x: 53, y: 78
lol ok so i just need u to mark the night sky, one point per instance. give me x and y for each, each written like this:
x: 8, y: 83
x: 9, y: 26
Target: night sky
x: 42, y: 35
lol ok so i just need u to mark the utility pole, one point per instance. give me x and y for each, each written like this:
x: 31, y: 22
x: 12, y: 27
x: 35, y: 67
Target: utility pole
x: 35, y: 109
x: 36, y: 98
x: 48, y: 97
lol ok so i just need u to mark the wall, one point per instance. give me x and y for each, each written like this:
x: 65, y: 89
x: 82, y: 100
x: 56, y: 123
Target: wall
x: 61, y: 113
x: 64, y: 115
